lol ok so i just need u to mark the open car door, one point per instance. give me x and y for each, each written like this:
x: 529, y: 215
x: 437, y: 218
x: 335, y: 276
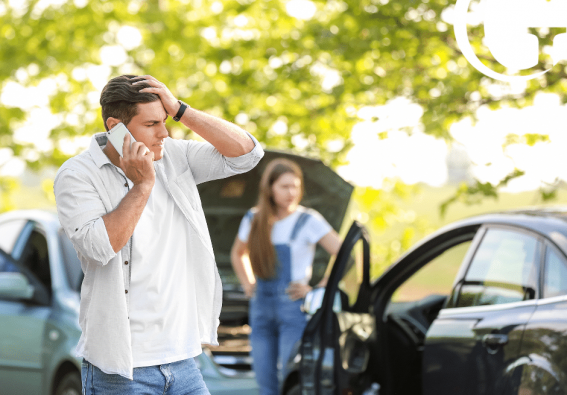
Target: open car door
x: 335, y: 346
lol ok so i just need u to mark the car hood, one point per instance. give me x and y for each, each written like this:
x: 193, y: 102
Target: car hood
x: 226, y: 201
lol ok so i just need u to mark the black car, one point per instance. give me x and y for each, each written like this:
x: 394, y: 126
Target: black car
x: 479, y: 307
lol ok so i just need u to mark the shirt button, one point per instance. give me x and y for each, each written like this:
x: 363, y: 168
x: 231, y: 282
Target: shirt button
x: 126, y: 184
x: 126, y: 291
x: 126, y: 262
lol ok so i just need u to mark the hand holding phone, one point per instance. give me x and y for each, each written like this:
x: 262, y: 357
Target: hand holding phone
x: 136, y: 163
x: 116, y: 137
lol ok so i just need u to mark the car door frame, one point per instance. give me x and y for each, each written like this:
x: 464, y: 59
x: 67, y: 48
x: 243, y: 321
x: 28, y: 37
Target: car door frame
x: 320, y: 364
x: 397, y: 274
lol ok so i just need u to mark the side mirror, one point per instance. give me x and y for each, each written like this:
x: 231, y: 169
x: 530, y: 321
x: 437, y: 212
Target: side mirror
x: 15, y: 286
x: 314, y: 300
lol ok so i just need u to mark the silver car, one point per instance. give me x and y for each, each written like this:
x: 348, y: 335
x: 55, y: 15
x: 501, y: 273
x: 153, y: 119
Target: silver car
x: 40, y: 280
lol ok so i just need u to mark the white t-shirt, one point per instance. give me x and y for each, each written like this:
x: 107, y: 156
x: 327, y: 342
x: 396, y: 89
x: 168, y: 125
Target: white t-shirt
x: 162, y: 306
x: 303, y: 246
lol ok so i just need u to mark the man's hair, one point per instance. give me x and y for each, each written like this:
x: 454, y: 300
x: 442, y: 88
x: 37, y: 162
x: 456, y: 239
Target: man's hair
x: 119, y: 99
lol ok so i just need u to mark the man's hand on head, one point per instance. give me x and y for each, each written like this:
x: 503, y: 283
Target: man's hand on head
x: 170, y: 103
x: 138, y: 163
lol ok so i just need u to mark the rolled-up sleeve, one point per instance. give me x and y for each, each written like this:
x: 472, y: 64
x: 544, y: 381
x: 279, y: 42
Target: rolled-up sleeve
x: 80, y: 210
x: 207, y: 163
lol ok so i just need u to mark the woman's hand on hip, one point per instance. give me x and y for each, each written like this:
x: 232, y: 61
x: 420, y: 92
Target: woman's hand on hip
x: 249, y: 290
x: 297, y: 291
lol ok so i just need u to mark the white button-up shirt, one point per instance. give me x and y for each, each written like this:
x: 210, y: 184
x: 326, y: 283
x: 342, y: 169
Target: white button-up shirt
x: 89, y: 186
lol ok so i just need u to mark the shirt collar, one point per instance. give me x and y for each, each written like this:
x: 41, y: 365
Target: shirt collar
x: 98, y: 142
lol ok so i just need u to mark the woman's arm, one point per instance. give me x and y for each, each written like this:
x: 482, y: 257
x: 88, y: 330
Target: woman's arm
x: 241, y: 265
x: 331, y: 242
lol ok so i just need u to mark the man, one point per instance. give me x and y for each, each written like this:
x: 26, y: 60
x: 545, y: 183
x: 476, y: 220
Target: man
x: 151, y: 293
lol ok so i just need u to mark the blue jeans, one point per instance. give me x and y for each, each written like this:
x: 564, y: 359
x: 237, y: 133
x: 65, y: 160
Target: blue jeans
x: 277, y: 324
x: 176, y: 378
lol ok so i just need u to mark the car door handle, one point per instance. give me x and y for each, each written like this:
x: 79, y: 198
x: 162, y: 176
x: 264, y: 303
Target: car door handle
x: 494, y: 340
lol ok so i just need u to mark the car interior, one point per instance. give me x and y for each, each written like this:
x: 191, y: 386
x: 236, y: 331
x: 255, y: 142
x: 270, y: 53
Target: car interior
x: 407, y: 326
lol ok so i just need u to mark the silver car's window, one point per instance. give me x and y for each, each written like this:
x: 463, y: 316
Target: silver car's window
x: 503, y: 270
x: 35, y: 258
x: 7, y: 264
x: 555, y: 278
x: 71, y: 261
x: 9, y: 232
x: 33, y: 264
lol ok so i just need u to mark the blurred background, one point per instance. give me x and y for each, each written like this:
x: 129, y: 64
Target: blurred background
x: 376, y: 89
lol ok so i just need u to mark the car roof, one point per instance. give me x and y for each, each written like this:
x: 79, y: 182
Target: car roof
x: 549, y: 222
x: 46, y: 217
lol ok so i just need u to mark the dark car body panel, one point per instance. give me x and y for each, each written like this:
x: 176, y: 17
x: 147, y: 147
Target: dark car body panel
x: 544, y: 348
x: 496, y: 349
x: 339, y: 339
x: 456, y: 360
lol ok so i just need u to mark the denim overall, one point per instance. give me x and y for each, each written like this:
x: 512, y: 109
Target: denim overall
x: 277, y: 322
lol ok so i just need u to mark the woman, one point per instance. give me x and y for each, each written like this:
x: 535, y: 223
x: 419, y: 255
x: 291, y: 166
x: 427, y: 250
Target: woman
x: 272, y: 256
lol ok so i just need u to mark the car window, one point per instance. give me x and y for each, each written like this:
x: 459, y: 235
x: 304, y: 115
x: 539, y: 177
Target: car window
x: 7, y: 264
x: 555, y: 278
x: 9, y: 232
x: 435, y: 277
x: 352, y: 279
x: 71, y: 261
x: 503, y: 270
x: 35, y: 258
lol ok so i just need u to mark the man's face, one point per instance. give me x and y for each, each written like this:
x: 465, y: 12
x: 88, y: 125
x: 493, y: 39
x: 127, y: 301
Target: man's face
x: 148, y: 127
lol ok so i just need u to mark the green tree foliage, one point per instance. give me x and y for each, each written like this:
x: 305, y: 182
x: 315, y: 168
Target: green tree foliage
x: 296, y: 84
x: 473, y: 194
x: 251, y: 57
x: 381, y: 211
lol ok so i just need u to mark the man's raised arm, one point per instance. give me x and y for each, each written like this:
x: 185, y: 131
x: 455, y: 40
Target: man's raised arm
x: 229, y: 139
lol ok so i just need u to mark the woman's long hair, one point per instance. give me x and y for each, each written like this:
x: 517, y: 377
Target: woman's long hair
x: 261, y: 249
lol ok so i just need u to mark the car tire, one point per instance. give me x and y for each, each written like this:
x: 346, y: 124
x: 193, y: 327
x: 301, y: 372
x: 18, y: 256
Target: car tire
x: 70, y: 384
x: 295, y: 390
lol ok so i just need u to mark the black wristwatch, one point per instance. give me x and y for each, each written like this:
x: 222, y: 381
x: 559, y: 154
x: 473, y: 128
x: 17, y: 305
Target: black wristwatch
x: 181, y: 110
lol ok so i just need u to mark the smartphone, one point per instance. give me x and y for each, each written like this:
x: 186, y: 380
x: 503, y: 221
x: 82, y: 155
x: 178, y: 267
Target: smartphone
x: 116, y: 137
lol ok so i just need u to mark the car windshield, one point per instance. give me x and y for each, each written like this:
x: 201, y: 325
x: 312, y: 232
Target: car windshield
x: 71, y: 261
